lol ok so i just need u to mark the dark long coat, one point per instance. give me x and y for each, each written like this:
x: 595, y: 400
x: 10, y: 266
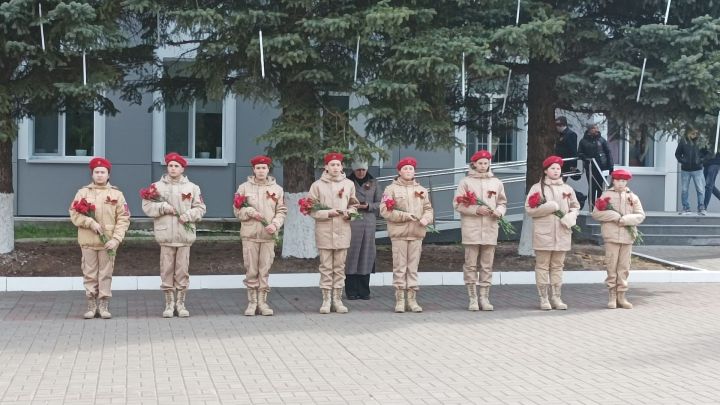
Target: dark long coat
x: 362, y: 253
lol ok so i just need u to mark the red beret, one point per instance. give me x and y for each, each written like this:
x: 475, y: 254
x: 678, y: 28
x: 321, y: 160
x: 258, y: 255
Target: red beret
x: 552, y: 160
x: 406, y: 161
x: 333, y: 156
x: 173, y: 156
x: 621, y: 174
x: 260, y: 160
x: 100, y: 162
x: 481, y: 154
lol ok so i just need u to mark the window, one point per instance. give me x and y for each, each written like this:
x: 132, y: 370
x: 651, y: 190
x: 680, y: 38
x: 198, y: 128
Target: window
x: 66, y: 134
x: 497, y: 135
x: 631, y: 145
x: 336, y: 120
x: 195, y: 131
x: 202, y: 131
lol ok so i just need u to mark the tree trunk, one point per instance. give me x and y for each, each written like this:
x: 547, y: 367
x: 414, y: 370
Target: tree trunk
x: 301, y: 114
x: 7, y: 232
x: 542, y: 98
x: 298, y: 175
x: 299, y: 232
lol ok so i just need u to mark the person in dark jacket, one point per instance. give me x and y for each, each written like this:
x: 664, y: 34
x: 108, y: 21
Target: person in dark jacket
x: 360, y: 262
x: 690, y: 156
x: 594, y: 146
x: 566, y: 146
x: 712, y: 166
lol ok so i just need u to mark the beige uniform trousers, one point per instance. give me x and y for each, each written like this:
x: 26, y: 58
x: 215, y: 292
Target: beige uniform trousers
x: 97, y: 267
x: 470, y: 269
x: 406, y: 258
x: 174, y: 264
x: 549, y: 267
x: 332, y: 268
x: 258, y: 257
x: 617, y: 259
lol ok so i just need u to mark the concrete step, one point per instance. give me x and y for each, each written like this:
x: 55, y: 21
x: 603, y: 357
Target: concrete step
x: 668, y: 239
x: 657, y: 229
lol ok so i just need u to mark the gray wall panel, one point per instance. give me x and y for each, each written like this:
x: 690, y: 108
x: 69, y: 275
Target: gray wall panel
x: 128, y: 135
x: 252, y: 121
x: 15, y: 178
x: 130, y: 179
x: 437, y: 159
x: 48, y: 189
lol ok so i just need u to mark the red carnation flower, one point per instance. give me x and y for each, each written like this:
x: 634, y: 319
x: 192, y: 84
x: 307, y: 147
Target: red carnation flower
x: 535, y: 200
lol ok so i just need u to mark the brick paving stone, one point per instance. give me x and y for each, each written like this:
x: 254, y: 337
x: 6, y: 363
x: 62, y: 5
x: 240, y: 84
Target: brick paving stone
x: 662, y: 352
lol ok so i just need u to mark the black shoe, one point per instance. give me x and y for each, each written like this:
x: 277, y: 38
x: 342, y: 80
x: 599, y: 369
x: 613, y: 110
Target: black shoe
x: 352, y: 297
x: 364, y: 297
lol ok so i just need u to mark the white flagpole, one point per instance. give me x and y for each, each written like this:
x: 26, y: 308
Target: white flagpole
x: 262, y: 56
x: 42, y: 29
x: 507, y: 90
x: 357, y: 58
x: 717, y: 133
x: 462, y: 77
x: 507, y: 84
x: 84, y: 70
x: 642, y: 75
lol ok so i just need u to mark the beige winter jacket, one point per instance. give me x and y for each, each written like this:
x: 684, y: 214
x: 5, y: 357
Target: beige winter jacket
x: 479, y: 229
x: 337, y: 193
x: 613, y: 223
x: 111, y: 212
x: 187, y: 200
x: 266, y: 198
x: 549, y: 231
x: 412, y: 204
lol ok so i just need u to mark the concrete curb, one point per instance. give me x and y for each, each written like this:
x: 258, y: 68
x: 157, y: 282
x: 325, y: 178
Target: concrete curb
x: 668, y: 262
x: 131, y: 283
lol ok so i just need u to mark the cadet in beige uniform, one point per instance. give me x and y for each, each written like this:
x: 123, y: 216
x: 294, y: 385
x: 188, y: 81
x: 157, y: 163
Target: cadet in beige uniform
x: 617, y: 226
x: 111, y: 219
x: 174, y: 220
x: 406, y: 223
x: 552, y: 235
x: 332, y: 229
x: 479, y: 226
x: 264, y: 202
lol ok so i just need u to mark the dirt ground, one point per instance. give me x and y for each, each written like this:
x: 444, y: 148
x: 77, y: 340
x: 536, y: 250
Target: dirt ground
x: 141, y: 258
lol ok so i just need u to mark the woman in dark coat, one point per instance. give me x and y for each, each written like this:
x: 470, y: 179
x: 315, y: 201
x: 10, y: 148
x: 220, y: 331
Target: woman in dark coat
x: 361, y: 255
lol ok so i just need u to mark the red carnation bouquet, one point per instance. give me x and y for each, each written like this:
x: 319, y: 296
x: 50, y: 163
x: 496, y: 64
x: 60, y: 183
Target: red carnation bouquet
x: 536, y: 200
x: 151, y: 193
x: 83, y: 207
x: 308, y: 205
x: 469, y: 198
x: 603, y: 204
x: 241, y: 201
x: 391, y: 205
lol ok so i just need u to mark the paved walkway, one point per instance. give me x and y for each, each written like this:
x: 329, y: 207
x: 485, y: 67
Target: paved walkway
x: 700, y: 257
x: 665, y: 351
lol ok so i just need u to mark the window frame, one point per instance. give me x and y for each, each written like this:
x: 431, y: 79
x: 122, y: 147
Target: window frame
x: 489, y: 135
x: 26, y: 141
x: 658, y: 167
x: 228, y: 136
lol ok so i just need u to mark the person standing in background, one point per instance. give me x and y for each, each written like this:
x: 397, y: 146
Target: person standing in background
x: 689, y: 156
x: 362, y: 253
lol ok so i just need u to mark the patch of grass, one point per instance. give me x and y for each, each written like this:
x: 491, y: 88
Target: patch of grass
x: 39, y: 232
